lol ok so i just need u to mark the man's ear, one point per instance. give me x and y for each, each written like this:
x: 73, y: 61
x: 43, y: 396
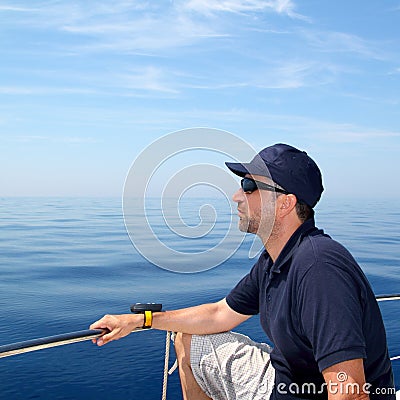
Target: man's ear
x: 285, y: 204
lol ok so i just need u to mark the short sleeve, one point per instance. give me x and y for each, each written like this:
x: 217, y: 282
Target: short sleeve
x: 331, y: 313
x: 244, y: 297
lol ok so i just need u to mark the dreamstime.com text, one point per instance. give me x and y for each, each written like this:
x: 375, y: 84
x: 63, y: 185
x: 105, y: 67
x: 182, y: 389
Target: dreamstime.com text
x: 339, y: 387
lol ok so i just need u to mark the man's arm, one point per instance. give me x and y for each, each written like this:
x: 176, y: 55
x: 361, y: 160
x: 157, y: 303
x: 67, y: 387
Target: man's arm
x: 346, y: 381
x: 201, y: 320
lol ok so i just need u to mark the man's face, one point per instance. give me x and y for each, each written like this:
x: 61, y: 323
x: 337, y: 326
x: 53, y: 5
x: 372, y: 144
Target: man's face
x: 256, y: 210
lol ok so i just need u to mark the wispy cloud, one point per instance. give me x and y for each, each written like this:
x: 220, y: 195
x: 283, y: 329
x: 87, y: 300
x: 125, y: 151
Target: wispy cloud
x: 349, y: 133
x: 144, y: 81
x: 161, y: 81
x: 38, y: 91
x: 387, y: 100
x: 55, y: 139
x: 290, y: 74
x: 325, y: 131
x: 10, y: 90
x: 209, y: 7
x: 149, y: 78
x: 340, y: 42
x: 120, y: 26
x: 394, y: 71
x: 126, y: 26
x: 14, y: 8
x: 146, y: 34
x: 289, y: 125
x: 310, y: 129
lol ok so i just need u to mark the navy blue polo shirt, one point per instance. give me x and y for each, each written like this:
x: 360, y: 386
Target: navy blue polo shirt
x: 318, y: 309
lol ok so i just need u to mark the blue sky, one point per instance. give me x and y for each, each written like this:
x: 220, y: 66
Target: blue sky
x: 86, y: 86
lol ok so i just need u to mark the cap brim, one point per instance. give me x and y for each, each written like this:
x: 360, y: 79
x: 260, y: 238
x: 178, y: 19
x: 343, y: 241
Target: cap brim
x: 242, y: 169
x: 237, y: 168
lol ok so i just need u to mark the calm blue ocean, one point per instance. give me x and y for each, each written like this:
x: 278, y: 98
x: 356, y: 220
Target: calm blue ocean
x: 65, y: 262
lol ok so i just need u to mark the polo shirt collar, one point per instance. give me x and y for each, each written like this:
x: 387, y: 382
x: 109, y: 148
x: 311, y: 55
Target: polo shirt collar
x: 292, y: 244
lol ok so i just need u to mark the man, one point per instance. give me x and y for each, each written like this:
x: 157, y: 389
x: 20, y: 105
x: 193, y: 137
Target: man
x: 315, y: 303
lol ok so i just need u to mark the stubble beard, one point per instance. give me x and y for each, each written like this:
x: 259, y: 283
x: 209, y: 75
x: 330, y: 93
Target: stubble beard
x: 248, y: 225
x: 261, y: 226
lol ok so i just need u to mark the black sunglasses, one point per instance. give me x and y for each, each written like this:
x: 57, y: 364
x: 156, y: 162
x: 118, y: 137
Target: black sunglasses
x: 250, y: 185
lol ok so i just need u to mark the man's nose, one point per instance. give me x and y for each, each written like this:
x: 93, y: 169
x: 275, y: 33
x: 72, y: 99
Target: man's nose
x: 238, y: 196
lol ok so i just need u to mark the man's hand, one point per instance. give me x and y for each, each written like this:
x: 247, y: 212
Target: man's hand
x: 118, y: 325
x: 346, y: 381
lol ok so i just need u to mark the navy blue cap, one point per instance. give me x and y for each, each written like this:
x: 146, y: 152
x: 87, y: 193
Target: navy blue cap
x: 287, y: 166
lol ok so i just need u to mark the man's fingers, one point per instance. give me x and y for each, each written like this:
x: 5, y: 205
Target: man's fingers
x: 116, y: 326
x: 105, y: 324
x: 100, y: 324
x: 113, y: 335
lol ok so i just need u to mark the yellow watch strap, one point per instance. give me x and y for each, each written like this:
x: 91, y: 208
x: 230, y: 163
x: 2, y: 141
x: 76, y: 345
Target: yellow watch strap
x: 148, y: 319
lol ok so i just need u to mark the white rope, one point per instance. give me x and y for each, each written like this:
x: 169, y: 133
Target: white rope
x: 175, y: 364
x: 166, y: 362
x: 173, y: 368
x: 388, y: 298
